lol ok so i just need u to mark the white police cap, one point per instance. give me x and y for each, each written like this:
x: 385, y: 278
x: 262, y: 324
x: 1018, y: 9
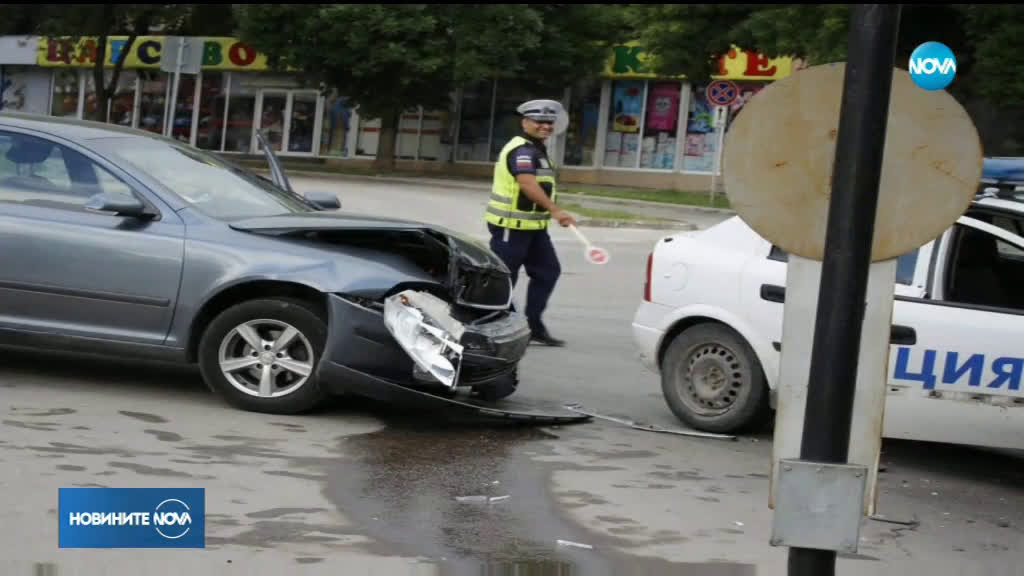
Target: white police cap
x: 541, y: 110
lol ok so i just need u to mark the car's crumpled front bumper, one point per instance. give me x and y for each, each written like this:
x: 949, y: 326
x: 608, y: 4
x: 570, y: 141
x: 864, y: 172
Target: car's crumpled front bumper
x: 361, y: 351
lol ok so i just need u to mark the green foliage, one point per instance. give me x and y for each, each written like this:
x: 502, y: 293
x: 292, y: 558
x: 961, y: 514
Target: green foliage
x: 689, y: 39
x: 996, y: 33
x: 387, y: 59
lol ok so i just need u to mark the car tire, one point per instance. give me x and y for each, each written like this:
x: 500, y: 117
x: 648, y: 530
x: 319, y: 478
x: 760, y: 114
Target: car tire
x: 294, y: 387
x: 502, y: 387
x: 712, y: 380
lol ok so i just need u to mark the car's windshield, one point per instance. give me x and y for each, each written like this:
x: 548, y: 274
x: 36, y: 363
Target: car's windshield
x: 205, y: 181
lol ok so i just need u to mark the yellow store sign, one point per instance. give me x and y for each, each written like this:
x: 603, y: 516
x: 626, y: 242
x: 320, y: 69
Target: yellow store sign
x: 631, y: 61
x: 219, y: 53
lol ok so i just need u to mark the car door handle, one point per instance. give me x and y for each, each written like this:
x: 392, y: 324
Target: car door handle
x: 773, y: 293
x: 904, y: 335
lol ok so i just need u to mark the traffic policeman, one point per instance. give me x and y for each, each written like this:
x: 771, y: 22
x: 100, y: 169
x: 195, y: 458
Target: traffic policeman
x: 522, y: 202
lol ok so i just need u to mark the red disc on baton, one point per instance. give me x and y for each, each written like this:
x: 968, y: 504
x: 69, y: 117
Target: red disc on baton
x: 597, y: 256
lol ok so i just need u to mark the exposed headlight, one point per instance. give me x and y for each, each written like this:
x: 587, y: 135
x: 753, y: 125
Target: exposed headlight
x: 425, y: 331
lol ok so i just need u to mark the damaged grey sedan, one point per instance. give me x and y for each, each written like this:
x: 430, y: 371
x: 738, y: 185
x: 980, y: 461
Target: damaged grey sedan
x: 120, y: 242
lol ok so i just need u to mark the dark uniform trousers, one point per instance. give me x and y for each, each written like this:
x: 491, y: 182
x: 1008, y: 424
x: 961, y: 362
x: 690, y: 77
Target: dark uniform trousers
x: 533, y: 250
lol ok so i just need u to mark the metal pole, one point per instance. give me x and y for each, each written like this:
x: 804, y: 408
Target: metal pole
x: 174, y: 96
x: 857, y: 170
x: 720, y: 116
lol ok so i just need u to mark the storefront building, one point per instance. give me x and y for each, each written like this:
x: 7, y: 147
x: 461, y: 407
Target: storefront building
x: 628, y: 127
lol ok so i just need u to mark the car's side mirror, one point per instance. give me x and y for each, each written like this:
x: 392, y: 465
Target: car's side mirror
x: 323, y: 200
x: 119, y: 205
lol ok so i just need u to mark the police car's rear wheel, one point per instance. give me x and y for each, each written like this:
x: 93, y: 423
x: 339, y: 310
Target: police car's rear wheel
x: 712, y: 380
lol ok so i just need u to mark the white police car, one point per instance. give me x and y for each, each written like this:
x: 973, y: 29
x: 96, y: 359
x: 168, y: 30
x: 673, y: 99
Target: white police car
x: 711, y: 324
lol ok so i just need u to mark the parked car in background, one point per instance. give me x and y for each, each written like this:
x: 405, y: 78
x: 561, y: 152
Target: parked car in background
x: 117, y: 241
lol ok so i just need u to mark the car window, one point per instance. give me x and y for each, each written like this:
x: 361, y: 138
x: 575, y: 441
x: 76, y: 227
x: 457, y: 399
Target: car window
x: 984, y: 270
x: 1013, y: 226
x: 905, y: 265
x: 207, y: 182
x: 40, y: 172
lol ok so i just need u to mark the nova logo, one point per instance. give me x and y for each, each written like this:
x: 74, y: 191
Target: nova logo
x: 173, y: 513
x: 932, y: 66
x: 132, y: 517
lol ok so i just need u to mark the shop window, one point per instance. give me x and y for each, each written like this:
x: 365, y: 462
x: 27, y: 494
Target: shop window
x: 407, y: 139
x: 302, y: 121
x: 120, y: 107
x: 699, y: 147
x: 65, y: 93
x: 368, y: 137
x: 581, y: 135
x: 181, y: 129
x: 153, y: 100
x: 272, y: 118
x: 475, y: 123
x: 661, y: 121
x: 335, y: 126
x: 622, y: 143
x: 436, y: 135
x: 507, y: 121
x: 122, y: 104
x: 211, y: 111
x: 241, y: 113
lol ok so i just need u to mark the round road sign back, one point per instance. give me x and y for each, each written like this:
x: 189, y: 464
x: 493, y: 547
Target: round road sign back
x: 779, y: 154
x: 722, y: 92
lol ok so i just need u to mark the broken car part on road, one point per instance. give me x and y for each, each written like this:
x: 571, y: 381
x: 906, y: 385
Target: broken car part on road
x: 649, y: 427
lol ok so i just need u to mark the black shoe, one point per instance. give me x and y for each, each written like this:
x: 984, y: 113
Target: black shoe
x: 543, y: 337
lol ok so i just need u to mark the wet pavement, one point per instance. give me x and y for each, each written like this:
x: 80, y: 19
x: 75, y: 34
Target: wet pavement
x: 359, y: 488
x: 472, y: 496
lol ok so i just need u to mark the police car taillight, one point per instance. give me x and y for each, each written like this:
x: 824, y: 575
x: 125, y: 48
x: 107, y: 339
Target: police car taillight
x: 647, y: 281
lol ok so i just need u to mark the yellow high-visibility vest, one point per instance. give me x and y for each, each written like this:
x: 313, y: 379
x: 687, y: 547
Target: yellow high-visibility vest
x: 508, y: 206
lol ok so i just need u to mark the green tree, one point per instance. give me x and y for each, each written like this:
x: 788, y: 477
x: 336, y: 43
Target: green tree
x: 981, y: 35
x: 388, y: 59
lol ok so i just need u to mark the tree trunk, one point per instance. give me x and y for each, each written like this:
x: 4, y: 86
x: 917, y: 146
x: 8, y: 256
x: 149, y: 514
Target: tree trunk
x: 385, y: 159
x: 98, y: 82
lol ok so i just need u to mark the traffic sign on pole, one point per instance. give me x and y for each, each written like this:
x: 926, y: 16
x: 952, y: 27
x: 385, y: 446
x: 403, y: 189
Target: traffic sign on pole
x: 828, y: 164
x: 722, y: 92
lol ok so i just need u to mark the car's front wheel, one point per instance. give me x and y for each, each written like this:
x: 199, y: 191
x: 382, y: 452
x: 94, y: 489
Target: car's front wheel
x: 712, y: 380
x: 261, y: 355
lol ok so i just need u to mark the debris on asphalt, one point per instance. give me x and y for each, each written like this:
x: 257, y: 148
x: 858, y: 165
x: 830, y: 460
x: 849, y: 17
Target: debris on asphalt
x: 479, y: 499
x: 738, y: 523
x: 575, y: 544
x: 649, y: 427
x: 880, y: 518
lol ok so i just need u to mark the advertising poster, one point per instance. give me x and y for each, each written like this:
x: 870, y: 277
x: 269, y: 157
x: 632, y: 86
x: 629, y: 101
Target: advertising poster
x: 699, y: 151
x: 663, y: 107
x: 627, y: 105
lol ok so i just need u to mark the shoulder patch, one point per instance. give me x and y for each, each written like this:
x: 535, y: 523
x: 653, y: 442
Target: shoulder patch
x: 524, y: 161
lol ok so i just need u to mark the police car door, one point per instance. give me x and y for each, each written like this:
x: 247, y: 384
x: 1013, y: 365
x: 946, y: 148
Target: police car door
x: 956, y: 362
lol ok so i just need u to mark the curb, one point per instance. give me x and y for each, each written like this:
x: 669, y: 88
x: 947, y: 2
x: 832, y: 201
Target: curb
x: 637, y: 224
x: 483, y: 187
x: 651, y: 203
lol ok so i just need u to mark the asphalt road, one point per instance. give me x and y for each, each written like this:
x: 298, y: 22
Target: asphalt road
x: 362, y: 488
